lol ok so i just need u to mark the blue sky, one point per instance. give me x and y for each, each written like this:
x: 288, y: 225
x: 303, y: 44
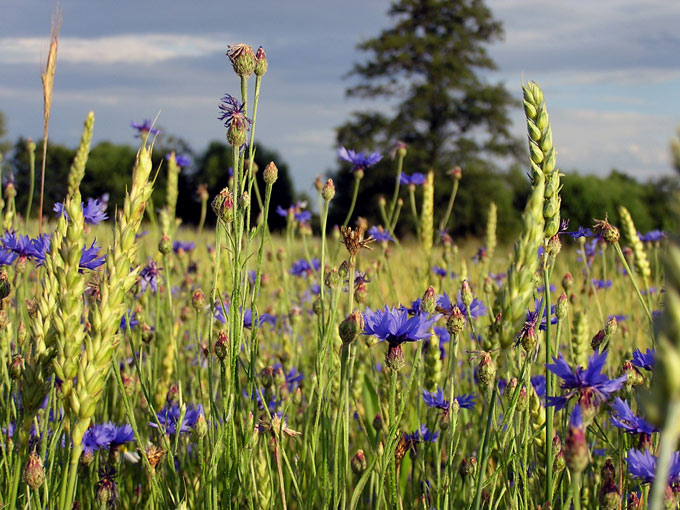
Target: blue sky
x: 610, y: 72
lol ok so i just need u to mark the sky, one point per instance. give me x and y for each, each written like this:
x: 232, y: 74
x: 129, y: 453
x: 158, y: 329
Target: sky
x: 610, y: 72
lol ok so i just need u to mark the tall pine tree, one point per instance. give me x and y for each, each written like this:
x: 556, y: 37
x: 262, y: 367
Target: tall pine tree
x: 430, y: 67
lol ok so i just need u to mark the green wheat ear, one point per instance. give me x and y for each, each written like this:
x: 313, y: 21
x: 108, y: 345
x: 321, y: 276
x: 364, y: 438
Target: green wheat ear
x: 427, y: 215
x: 491, y: 221
x: 632, y: 238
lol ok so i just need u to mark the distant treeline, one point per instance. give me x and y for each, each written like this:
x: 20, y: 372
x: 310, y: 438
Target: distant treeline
x: 584, y: 197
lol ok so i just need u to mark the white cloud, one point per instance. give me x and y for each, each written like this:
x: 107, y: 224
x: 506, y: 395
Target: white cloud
x: 115, y: 49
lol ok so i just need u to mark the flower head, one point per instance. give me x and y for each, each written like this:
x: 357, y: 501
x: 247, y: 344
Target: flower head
x: 652, y: 236
x: 380, y: 234
x: 590, y: 385
x: 623, y: 418
x: 185, y: 246
x: 642, y: 465
x: 581, y: 232
x: 169, y: 418
x: 477, y: 308
x: 148, y: 277
x: 90, y: 258
x: 232, y: 112
x: 395, y: 326
x: 302, y: 267
x: 645, y: 360
x: 358, y: 159
x: 416, y: 179
x: 182, y: 160
x: 144, y: 128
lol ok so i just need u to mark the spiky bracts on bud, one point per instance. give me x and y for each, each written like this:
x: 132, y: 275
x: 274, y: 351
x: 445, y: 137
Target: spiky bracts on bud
x: 167, y: 215
x: 427, y: 215
x: 34, y: 473
x: 542, y: 154
x: 242, y: 59
x: 631, y: 236
x: 270, y: 174
x: 491, y: 221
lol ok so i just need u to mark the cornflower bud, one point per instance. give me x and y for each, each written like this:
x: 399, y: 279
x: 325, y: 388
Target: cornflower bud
x: 343, y: 270
x: 107, y: 493
x: 382, y: 201
x: 244, y: 202
x: 34, y: 474
x: 16, y: 367
x: 455, y: 324
x: 608, y: 231
x: 394, y: 359
x: 223, y: 205
x: 361, y: 293
x: 562, y: 307
x: 198, y: 300
x: 598, y: 339
x: 32, y: 307
x: 328, y: 190
x: 222, y: 345
x: 359, y: 463
x: 429, y: 301
x: 466, y: 294
x: 331, y: 278
x: 468, y: 466
x: 318, y: 183
x: 201, y: 426
x: 567, y: 282
x: 554, y: 245
x: 261, y: 63
x: 611, y: 326
x: 173, y: 394
x: 378, y: 422
x: 576, y: 449
x: 351, y: 327
x: 165, y: 244
x: 400, y: 149
x: 242, y: 59
x: 456, y: 173
x: 271, y: 173
x: 22, y: 334
x: 486, y: 370
x: 147, y: 333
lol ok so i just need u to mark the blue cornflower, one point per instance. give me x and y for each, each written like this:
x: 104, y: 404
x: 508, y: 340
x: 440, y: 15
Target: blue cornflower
x: 302, y: 267
x: 477, y: 308
x: 21, y: 245
x: 442, y: 333
x: 358, y: 159
x: 619, y: 318
x: 7, y: 257
x: 642, y: 465
x: 601, y: 284
x: 624, y: 418
x: 148, y: 277
x: 440, y: 271
x: 538, y: 382
x: 168, y: 417
x: 145, y: 127
x: 247, y: 317
x: 184, y: 246
x: 232, y: 113
x: 466, y: 401
x: 416, y: 179
x: 93, y: 213
x: 395, y: 326
x: 423, y: 434
x: 182, y: 160
x: 90, y: 259
x: 380, y: 234
x: 590, y: 385
x: 581, y: 232
x: 645, y: 360
x: 281, y: 211
x: 128, y: 321
x: 652, y: 236
x: 303, y: 216
x: 97, y: 437
x: 480, y: 255
x: 39, y: 247
x: 436, y: 399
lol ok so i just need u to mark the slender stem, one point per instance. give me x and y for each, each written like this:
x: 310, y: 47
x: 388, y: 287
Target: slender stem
x: 619, y: 253
x: 484, y: 454
x: 449, y: 208
x: 31, y: 168
x: 548, y: 389
x: 355, y: 193
x: 395, y: 195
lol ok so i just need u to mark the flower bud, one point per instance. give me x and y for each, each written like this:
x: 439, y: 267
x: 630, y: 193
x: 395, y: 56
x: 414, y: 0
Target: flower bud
x: 351, y: 327
x: 34, y: 474
x: 468, y: 466
x: 147, y: 333
x: 562, y: 307
x: 611, y: 326
x: 198, y: 300
x: 429, y: 301
x: 567, y: 282
x: 271, y: 173
x: 331, y: 278
x: 16, y: 367
x: 242, y: 59
x: 466, y: 294
x: 598, y: 339
x: 456, y: 173
x: 343, y: 270
x: 361, y: 293
x: 222, y: 345
x: 328, y: 190
x: 378, y: 422
x: 486, y: 370
x: 201, y: 426
x: 576, y: 448
x: 223, y: 205
x: 359, y: 463
x: 261, y: 63
x: 165, y: 244
x: 455, y: 324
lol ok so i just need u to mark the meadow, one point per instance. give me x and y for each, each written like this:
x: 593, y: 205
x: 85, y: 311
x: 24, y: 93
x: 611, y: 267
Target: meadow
x: 147, y: 364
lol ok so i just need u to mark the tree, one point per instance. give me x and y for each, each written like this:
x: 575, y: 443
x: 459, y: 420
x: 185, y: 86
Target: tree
x: 431, y: 62
x: 5, y: 146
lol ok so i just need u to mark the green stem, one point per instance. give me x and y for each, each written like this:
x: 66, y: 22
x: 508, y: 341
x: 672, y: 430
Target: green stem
x: 355, y: 193
x: 395, y: 195
x: 619, y: 253
x: 484, y: 454
x: 449, y: 208
x: 548, y: 389
x: 666, y: 446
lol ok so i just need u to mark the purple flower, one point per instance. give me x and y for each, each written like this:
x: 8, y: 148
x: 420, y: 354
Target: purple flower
x: 466, y: 401
x: 436, y: 399
x: 442, y: 333
x: 538, y: 382
x: 477, y: 308
x: 169, y: 417
x: 145, y: 128
x: 380, y: 234
x: 652, y: 236
x: 358, y: 159
x: 590, y: 385
x: 642, y: 465
x: 416, y: 179
x: 581, y: 232
x: 645, y: 360
x: 7, y: 257
x: 90, y: 258
x: 624, y: 418
x: 440, y: 271
x: 303, y: 216
x: 422, y: 434
x: 93, y: 213
x: 181, y: 159
x: 128, y: 321
x: 302, y: 267
x: 601, y: 284
x: 247, y: 317
x: 395, y: 326
x: 39, y: 247
x: 148, y: 277
x: 281, y: 211
x: 232, y: 113
x: 97, y: 437
x: 20, y: 245
x: 619, y: 318
x: 183, y: 246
